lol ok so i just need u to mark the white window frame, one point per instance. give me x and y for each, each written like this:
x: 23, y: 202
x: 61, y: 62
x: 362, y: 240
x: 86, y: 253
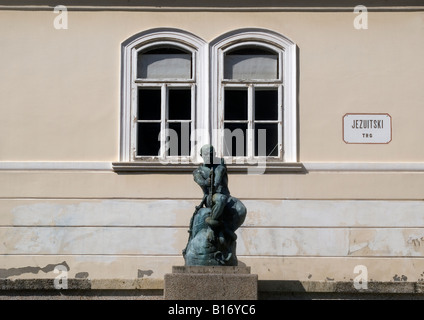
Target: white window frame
x: 286, y: 83
x: 207, y: 65
x: 130, y: 84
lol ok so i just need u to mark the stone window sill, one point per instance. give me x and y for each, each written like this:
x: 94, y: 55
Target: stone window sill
x: 269, y: 167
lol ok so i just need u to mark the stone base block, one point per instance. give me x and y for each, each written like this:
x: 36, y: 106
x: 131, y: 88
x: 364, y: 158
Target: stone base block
x: 210, y: 283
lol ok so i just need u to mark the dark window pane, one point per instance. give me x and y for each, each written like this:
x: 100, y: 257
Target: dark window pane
x: 235, y: 138
x: 149, y: 101
x: 148, y: 143
x: 266, y: 104
x: 266, y: 139
x: 179, y: 104
x: 178, y: 139
x: 251, y: 51
x: 164, y: 50
x: 235, y: 106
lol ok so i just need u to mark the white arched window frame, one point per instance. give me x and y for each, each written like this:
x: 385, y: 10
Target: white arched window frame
x: 207, y: 87
x: 285, y: 50
x: 159, y: 38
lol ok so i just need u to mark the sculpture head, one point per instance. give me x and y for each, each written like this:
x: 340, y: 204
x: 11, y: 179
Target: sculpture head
x: 208, y: 154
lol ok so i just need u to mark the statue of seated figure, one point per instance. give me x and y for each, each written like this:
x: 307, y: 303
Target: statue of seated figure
x: 212, y: 239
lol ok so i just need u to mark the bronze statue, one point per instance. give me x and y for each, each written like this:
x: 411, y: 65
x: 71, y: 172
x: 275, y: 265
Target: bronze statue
x: 212, y: 239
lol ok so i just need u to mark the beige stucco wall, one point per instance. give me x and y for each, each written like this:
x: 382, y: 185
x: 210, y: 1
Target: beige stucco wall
x: 60, y: 101
x: 55, y: 81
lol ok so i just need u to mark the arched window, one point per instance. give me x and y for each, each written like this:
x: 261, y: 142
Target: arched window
x: 179, y: 92
x: 165, y: 90
x: 254, y: 96
x: 162, y: 96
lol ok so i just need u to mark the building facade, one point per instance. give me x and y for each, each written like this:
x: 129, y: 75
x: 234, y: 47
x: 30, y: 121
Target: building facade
x: 316, y: 108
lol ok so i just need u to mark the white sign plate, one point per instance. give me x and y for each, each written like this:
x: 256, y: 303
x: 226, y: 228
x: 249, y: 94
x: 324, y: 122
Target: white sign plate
x: 367, y: 128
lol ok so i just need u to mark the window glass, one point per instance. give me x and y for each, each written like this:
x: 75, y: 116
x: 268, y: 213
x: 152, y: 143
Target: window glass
x: 266, y: 139
x: 244, y: 64
x: 164, y: 63
x: 266, y: 104
x: 148, y: 143
x: 179, y: 139
x: 235, y: 139
x: 149, y: 104
x: 235, y: 104
x: 179, y: 103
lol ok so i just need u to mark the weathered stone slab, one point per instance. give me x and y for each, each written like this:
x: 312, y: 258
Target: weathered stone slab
x: 211, y: 283
x: 320, y: 242
x: 177, y: 213
x: 211, y: 269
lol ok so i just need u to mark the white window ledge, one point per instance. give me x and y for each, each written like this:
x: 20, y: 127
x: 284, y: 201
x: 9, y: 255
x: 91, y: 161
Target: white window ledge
x: 189, y: 167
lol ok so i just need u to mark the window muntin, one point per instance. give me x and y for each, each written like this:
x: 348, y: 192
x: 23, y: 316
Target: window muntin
x: 252, y: 102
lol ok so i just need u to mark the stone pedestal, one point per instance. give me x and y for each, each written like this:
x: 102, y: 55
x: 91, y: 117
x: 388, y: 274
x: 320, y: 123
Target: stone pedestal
x: 210, y: 283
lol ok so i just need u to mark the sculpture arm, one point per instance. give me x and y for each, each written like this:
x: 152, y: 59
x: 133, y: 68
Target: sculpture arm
x: 220, y: 172
x: 199, y: 179
x: 205, y: 196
